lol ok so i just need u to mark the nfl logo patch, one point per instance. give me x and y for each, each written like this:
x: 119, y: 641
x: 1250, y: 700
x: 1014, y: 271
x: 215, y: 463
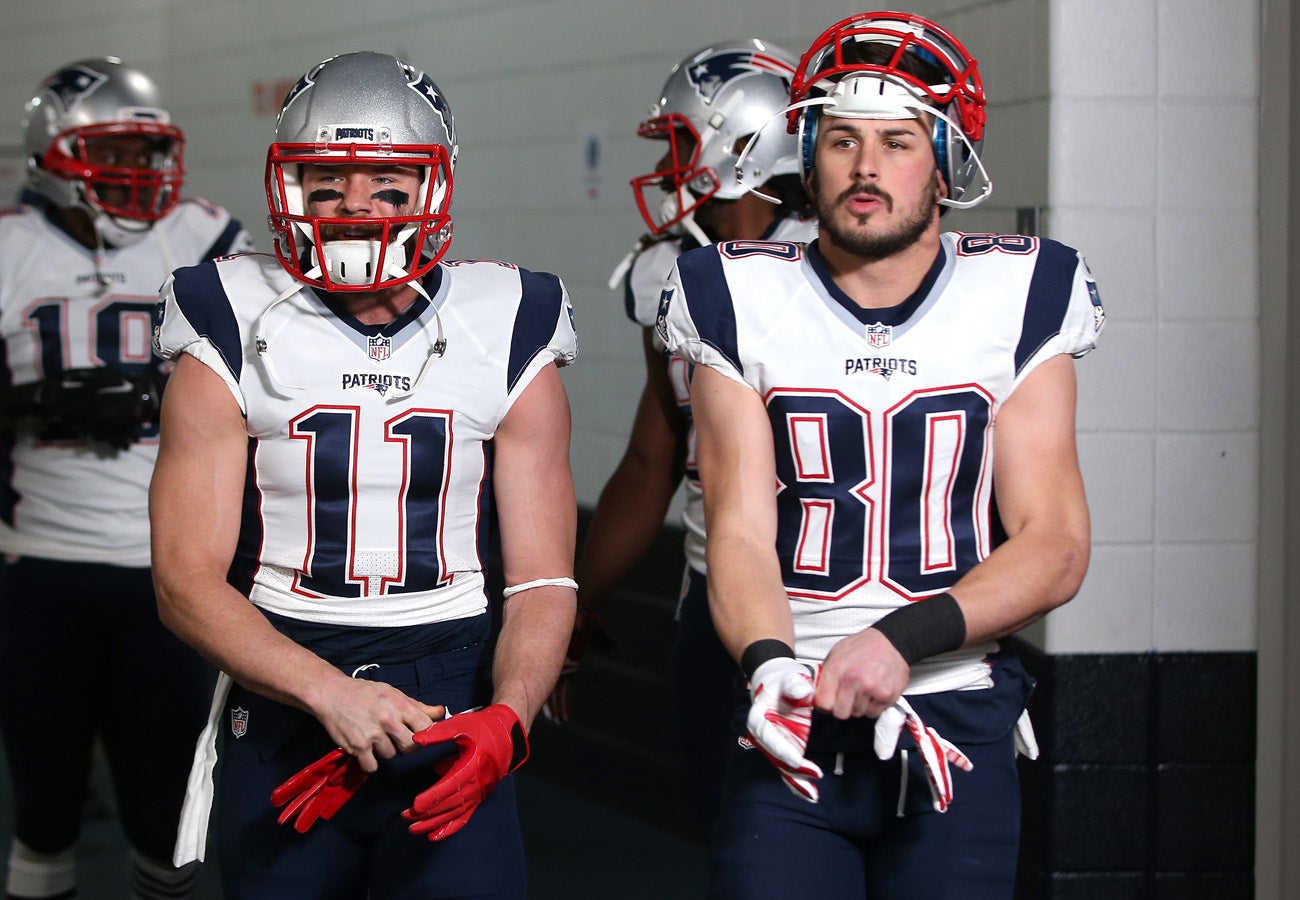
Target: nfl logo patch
x: 380, y: 347
x: 879, y: 335
x: 239, y: 721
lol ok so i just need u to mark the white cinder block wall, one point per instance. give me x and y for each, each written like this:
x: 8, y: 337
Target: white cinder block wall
x: 1154, y: 148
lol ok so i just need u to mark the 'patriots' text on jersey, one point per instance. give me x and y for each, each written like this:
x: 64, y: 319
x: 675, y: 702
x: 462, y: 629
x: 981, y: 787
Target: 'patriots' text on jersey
x: 369, y: 446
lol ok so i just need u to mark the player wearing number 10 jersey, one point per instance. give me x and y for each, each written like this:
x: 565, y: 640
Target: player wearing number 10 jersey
x: 102, y: 225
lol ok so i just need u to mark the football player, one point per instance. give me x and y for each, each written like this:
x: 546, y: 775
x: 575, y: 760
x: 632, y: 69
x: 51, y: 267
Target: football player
x: 862, y: 376
x: 346, y: 413
x: 80, y: 264
x: 712, y: 103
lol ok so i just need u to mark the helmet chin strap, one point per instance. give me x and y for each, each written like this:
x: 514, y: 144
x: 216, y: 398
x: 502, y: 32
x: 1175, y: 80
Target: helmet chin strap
x: 262, y: 335
x: 668, y: 210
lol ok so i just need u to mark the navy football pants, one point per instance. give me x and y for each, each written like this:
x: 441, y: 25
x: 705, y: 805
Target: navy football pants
x: 851, y: 845
x: 704, y: 683
x: 84, y: 656
x: 365, y: 851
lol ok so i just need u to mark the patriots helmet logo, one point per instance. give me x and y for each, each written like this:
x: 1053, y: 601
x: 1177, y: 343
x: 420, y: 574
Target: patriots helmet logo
x: 305, y: 82
x: 423, y: 85
x: 73, y: 84
x: 710, y: 74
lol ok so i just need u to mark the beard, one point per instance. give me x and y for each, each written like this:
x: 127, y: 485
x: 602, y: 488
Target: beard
x: 872, y: 247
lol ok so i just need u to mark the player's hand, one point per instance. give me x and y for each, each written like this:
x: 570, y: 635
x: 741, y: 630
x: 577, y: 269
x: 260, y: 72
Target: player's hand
x: 492, y: 744
x: 862, y: 676
x: 318, y: 790
x: 588, y: 630
x: 780, y: 720
x: 559, y: 704
x: 936, y: 751
x: 372, y: 720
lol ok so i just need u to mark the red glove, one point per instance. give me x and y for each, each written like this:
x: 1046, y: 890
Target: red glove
x: 319, y: 790
x: 492, y: 744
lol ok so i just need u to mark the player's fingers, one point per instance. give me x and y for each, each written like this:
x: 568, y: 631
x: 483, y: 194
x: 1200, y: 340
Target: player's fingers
x: 366, y: 759
x: 828, y: 686
x: 436, y: 713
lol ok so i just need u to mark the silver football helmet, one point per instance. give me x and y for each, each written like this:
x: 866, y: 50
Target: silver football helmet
x: 103, y: 98
x: 712, y: 102
x: 362, y: 109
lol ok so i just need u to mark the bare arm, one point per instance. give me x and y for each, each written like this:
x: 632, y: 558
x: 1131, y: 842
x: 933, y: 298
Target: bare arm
x: 1041, y: 565
x: 1040, y: 497
x: 194, y: 509
x: 538, y: 521
x: 738, y: 471
x: 634, y: 501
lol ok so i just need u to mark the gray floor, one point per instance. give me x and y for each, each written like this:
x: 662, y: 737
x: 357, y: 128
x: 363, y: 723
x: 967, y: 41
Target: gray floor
x: 577, y: 849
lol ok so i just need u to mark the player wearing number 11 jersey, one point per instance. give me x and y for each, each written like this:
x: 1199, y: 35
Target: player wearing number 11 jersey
x: 340, y: 422
x: 863, y: 405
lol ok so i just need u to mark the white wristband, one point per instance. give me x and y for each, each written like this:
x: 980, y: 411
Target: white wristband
x: 539, y: 582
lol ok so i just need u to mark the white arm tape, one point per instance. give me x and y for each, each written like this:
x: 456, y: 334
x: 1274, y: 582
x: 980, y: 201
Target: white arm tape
x: 539, y: 582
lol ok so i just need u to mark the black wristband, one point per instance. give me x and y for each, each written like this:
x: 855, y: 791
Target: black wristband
x: 925, y: 628
x: 760, y: 652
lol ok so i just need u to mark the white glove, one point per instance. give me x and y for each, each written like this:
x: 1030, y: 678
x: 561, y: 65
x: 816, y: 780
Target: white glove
x: 936, y: 751
x: 780, y: 719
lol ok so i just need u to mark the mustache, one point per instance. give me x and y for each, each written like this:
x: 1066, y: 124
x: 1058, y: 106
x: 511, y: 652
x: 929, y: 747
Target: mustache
x: 864, y: 188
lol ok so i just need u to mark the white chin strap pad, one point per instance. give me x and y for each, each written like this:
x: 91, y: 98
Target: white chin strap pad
x: 356, y: 262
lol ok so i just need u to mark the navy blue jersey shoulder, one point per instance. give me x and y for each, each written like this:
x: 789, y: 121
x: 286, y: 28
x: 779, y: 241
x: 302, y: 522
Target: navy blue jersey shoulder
x: 708, y: 296
x: 221, y: 246
x: 1048, y: 300
x: 202, y: 299
x: 629, y: 296
x: 541, y: 302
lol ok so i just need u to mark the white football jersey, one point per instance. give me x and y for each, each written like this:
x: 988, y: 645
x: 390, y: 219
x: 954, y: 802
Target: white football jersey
x: 369, y: 465
x: 882, y: 419
x: 68, y: 499
x: 642, y: 289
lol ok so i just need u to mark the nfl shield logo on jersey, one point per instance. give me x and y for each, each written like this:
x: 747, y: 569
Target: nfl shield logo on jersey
x: 380, y: 347
x: 879, y: 335
x: 239, y: 721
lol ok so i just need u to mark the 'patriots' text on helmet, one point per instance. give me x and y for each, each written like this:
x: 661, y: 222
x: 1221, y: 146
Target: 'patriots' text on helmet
x: 103, y: 99
x: 893, y: 65
x: 362, y: 109
x: 711, y: 103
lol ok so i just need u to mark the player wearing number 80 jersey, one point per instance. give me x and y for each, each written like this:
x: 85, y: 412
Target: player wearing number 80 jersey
x: 883, y: 437
x: 863, y: 405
